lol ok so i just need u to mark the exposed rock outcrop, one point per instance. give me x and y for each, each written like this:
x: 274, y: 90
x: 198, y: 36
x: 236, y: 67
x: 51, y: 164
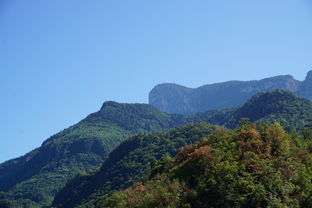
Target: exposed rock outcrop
x: 175, y: 98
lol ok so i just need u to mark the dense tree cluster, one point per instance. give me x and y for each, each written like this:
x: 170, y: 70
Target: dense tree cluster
x: 113, y: 148
x: 130, y: 162
x: 251, y: 166
x: 39, y: 175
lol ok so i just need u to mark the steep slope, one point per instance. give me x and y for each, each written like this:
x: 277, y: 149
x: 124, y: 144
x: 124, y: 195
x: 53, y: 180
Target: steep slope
x: 282, y: 106
x: 40, y: 174
x: 129, y: 162
x: 245, y: 167
x: 175, y: 98
x: 305, y: 89
x: 292, y: 111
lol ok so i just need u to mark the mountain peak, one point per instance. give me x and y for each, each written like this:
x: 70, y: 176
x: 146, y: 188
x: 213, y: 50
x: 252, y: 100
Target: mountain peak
x: 175, y: 98
x: 271, y: 102
x: 306, y: 86
x: 309, y: 76
x: 109, y: 104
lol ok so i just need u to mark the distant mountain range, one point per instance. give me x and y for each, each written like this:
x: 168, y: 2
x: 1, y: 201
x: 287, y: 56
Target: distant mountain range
x: 113, y: 148
x: 131, y: 160
x: 173, y: 98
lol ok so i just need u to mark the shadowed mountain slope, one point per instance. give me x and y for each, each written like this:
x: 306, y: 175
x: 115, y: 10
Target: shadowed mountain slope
x: 129, y: 162
x: 41, y: 173
x: 37, y: 177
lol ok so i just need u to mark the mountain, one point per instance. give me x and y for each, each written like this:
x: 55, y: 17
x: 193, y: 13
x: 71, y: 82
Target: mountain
x: 175, y: 98
x: 251, y: 166
x: 305, y: 89
x: 290, y: 110
x: 131, y: 160
x: 37, y: 176
x: 35, y: 179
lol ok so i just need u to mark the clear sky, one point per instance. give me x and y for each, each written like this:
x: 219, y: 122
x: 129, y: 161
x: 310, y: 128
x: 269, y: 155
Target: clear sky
x: 61, y: 59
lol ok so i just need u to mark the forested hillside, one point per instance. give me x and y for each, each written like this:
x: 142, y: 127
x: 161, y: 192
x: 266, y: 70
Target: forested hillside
x: 292, y: 111
x: 129, y: 162
x: 83, y: 150
x: 251, y: 166
x: 36, y: 177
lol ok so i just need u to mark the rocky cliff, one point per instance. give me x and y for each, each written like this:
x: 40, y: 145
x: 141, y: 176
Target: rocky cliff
x: 175, y: 98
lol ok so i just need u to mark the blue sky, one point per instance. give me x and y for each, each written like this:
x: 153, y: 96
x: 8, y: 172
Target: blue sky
x: 61, y: 59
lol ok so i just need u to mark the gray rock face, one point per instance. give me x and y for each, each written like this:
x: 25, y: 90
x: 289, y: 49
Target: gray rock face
x: 306, y: 87
x: 175, y: 98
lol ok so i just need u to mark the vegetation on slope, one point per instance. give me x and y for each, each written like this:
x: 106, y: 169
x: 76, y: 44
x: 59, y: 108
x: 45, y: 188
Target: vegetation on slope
x: 251, y: 166
x: 37, y: 177
x: 282, y: 106
x: 40, y: 174
x: 291, y: 111
x: 129, y: 162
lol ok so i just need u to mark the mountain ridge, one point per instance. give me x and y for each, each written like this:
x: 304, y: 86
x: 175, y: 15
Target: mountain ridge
x: 175, y: 98
x: 39, y: 174
x: 117, y: 171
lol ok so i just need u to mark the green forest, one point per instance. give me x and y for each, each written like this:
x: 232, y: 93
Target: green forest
x: 250, y: 166
x: 134, y: 155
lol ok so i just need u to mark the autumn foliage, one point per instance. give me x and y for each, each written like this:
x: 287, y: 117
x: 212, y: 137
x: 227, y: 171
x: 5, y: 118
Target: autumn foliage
x: 251, y: 166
